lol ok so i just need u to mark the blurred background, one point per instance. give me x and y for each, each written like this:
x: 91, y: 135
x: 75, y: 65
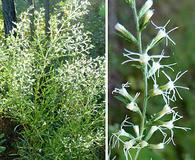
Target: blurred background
x: 182, y: 14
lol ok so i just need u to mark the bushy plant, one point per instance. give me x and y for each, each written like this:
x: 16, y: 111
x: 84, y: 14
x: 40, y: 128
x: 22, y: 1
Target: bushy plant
x: 52, y: 87
x: 133, y: 137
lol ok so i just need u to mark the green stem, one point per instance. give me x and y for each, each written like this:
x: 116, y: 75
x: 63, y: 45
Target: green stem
x: 139, y: 33
x: 137, y: 154
x: 145, y: 100
x: 145, y: 70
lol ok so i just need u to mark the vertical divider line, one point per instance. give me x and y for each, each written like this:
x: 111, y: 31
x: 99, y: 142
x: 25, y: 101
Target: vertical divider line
x: 106, y: 80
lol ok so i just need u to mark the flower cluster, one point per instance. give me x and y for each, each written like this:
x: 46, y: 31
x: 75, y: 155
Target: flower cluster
x: 152, y: 68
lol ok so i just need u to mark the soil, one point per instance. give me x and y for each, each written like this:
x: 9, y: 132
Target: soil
x: 10, y: 128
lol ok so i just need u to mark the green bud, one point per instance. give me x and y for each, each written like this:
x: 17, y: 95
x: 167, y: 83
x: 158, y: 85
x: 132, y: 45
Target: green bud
x: 157, y: 146
x: 148, y: 4
x: 144, y: 21
x: 123, y: 32
x: 152, y: 130
x: 129, y: 1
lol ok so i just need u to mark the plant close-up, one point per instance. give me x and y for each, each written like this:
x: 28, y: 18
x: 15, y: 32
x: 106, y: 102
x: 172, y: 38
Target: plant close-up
x: 133, y: 137
x: 51, y: 83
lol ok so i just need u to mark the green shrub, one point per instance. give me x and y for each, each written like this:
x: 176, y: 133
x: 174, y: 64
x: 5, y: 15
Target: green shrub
x: 53, y: 89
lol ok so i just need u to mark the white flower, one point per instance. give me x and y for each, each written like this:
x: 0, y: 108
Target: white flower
x: 156, y: 66
x: 132, y: 106
x: 116, y: 137
x: 165, y: 111
x: 122, y: 91
x: 137, y: 57
x: 127, y: 146
x: 158, y: 91
x: 170, y: 87
x: 141, y: 58
x: 162, y: 33
x: 170, y: 126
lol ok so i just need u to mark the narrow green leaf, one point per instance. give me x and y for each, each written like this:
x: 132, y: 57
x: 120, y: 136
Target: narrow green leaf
x: 122, y: 99
x: 2, y: 149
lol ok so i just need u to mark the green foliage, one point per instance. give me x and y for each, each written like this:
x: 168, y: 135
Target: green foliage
x: 95, y: 23
x: 53, y: 88
x: 2, y: 140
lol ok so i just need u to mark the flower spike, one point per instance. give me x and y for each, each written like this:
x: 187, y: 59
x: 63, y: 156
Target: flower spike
x: 163, y: 29
x: 170, y: 87
x: 156, y: 66
x: 138, y: 136
x: 162, y: 33
x: 141, y: 58
x: 170, y: 126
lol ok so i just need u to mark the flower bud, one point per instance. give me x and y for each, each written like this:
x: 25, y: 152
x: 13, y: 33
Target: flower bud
x: 129, y: 144
x: 123, y: 92
x: 168, y: 124
x: 169, y: 86
x: 148, y: 4
x: 122, y: 132
x: 151, y: 132
x: 148, y: 15
x: 123, y: 32
x: 166, y: 110
x: 143, y: 144
x: 157, y: 146
x: 133, y: 107
x: 155, y: 91
x: 144, y: 21
x: 136, y: 129
x: 129, y: 1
